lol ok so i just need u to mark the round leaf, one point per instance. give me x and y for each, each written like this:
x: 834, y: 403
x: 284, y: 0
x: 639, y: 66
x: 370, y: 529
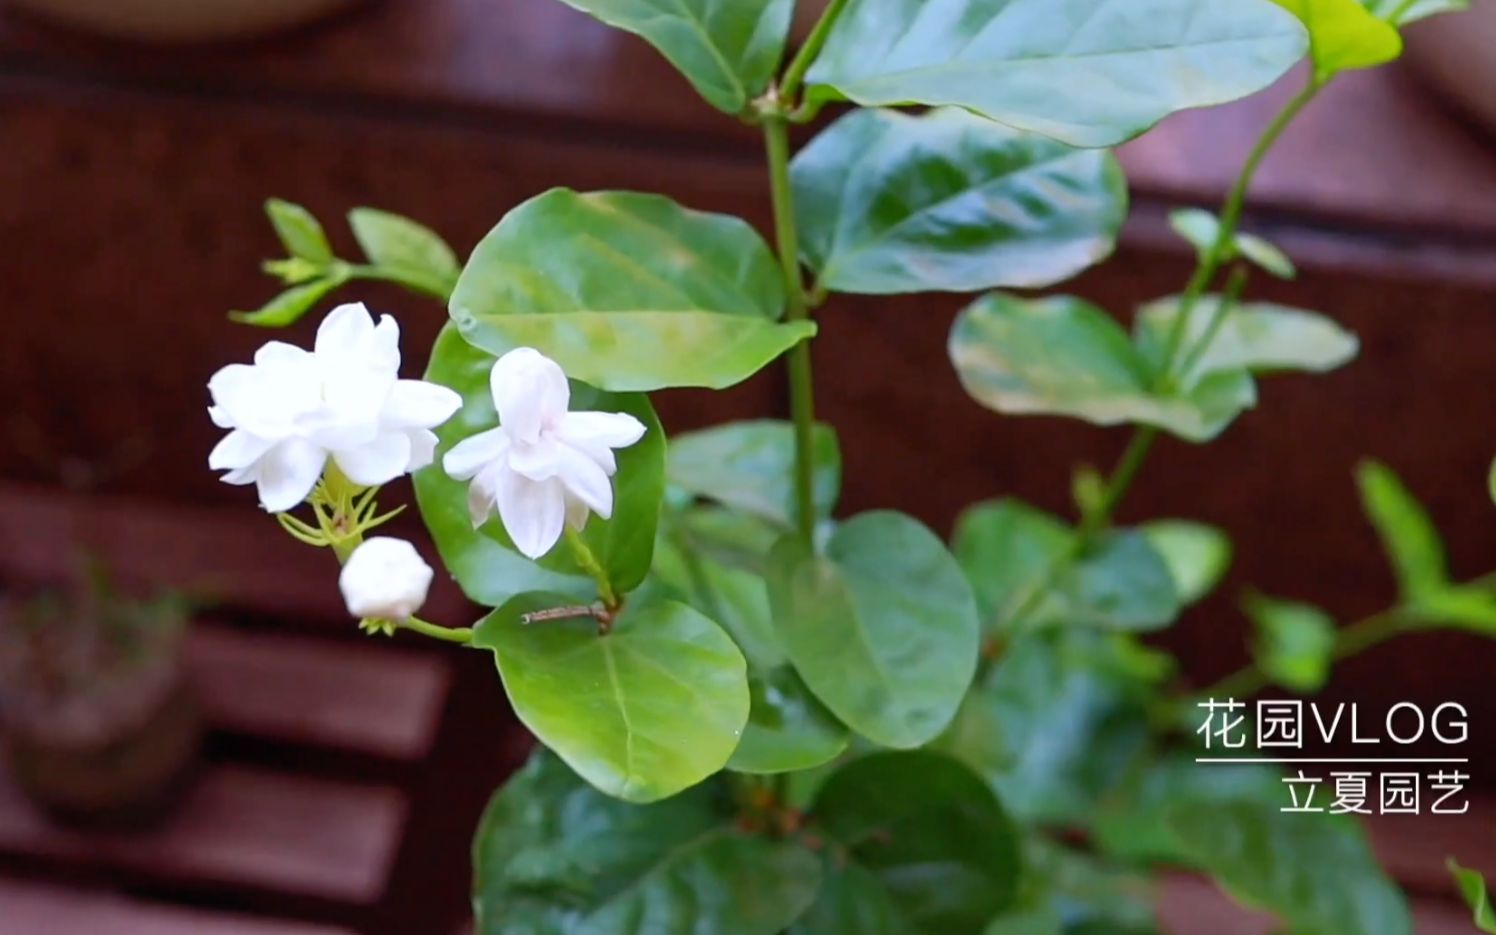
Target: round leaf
x: 1344, y: 35
x: 553, y: 856
x: 931, y: 830
x: 1197, y: 555
x: 728, y: 49
x: 852, y: 901
x: 1295, y: 642
x: 1257, y: 336
x: 947, y: 201
x: 749, y: 466
x: 483, y: 560
x: 883, y: 627
x: 401, y: 245
x: 788, y: 729
x: 1062, y: 356
x: 627, y: 292
x: 1084, y: 72
x: 651, y: 708
x: 1007, y: 549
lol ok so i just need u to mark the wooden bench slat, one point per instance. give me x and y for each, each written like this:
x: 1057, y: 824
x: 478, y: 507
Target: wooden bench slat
x: 33, y: 909
x: 1413, y: 848
x: 366, y: 699
x: 242, y: 828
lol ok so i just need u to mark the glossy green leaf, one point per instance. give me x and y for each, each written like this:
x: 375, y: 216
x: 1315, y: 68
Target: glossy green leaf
x: 882, y: 626
x: 1472, y: 887
x: 1408, y: 535
x: 404, y: 246
x: 1197, y: 555
x: 931, y: 831
x: 1295, y: 642
x: 1344, y: 35
x: 750, y: 466
x: 1255, y: 336
x: 1203, y: 229
x: 728, y: 49
x: 628, y: 292
x: 299, y: 232
x: 651, y: 708
x: 1402, y: 12
x: 1054, y: 725
x: 1086, y: 72
x: 290, y: 306
x: 737, y: 540
x: 483, y: 560
x: 1063, y: 356
x: 788, y: 728
x: 947, y: 201
x: 1316, y: 872
x: 1009, y: 550
x: 1092, y: 896
x: 553, y: 856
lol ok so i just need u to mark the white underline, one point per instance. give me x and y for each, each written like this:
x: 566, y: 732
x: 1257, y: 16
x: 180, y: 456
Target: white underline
x: 1331, y: 759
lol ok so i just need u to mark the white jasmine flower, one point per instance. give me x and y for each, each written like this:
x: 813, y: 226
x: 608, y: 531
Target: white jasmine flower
x: 292, y: 409
x: 543, y: 466
x: 385, y: 579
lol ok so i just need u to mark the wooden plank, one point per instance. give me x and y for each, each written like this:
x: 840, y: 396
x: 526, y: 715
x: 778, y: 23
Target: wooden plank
x: 1414, y: 848
x: 238, y: 828
x: 33, y: 909
x: 364, y: 699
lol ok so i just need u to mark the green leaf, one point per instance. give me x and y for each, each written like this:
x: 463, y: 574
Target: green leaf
x: 882, y: 626
x: 1316, y: 872
x: 931, y: 831
x: 1094, y: 897
x: 1408, y: 535
x: 299, y: 232
x: 1295, y: 642
x: 627, y: 292
x: 749, y: 466
x: 1084, y: 72
x: 1344, y: 35
x: 404, y: 246
x: 735, y: 598
x: 852, y: 901
x: 1197, y: 555
x: 788, y: 729
x: 888, y: 203
x: 1009, y: 550
x: 1256, y: 336
x: 1063, y: 356
x: 290, y: 306
x: 1054, y: 725
x: 1473, y: 888
x: 1401, y: 12
x: 1203, y: 229
x: 652, y: 707
x: 727, y: 49
x: 483, y: 560
x: 553, y: 856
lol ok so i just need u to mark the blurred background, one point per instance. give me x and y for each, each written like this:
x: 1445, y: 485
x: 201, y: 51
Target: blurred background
x: 324, y: 782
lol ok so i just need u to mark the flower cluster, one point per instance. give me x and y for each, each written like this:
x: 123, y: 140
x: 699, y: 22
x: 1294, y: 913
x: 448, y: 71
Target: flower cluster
x: 292, y: 410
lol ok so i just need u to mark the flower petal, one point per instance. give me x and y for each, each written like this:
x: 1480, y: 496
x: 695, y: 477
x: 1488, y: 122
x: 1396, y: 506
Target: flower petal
x: 576, y: 514
x: 533, y: 512
x: 287, y: 474
x: 538, y: 461
x: 422, y: 449
x: 420, y: 405
x: 482, y: 495
x: 378, y: 462
x: 611, y: 429
x: 238, y: 449
x: 586, y: 480
x: 347, y: 329
x: 475, y: 453
x: 278, y: 355
x: 530, y: 391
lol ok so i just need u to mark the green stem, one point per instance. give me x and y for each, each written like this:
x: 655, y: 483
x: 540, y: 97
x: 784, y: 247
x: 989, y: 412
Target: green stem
x: 463, y: 635
x: 589, y: 563
x: 802, y: 385
x: 1231, y: 213
x: 1230, y: 298
x: 795, y: 74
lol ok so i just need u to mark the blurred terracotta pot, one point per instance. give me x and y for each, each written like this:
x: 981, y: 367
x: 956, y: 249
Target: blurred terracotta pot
x: 1457, y: 54
x: 181, y: 20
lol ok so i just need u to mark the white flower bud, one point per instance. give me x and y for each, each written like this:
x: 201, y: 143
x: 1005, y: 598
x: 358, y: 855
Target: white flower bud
x: 385, y: 579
